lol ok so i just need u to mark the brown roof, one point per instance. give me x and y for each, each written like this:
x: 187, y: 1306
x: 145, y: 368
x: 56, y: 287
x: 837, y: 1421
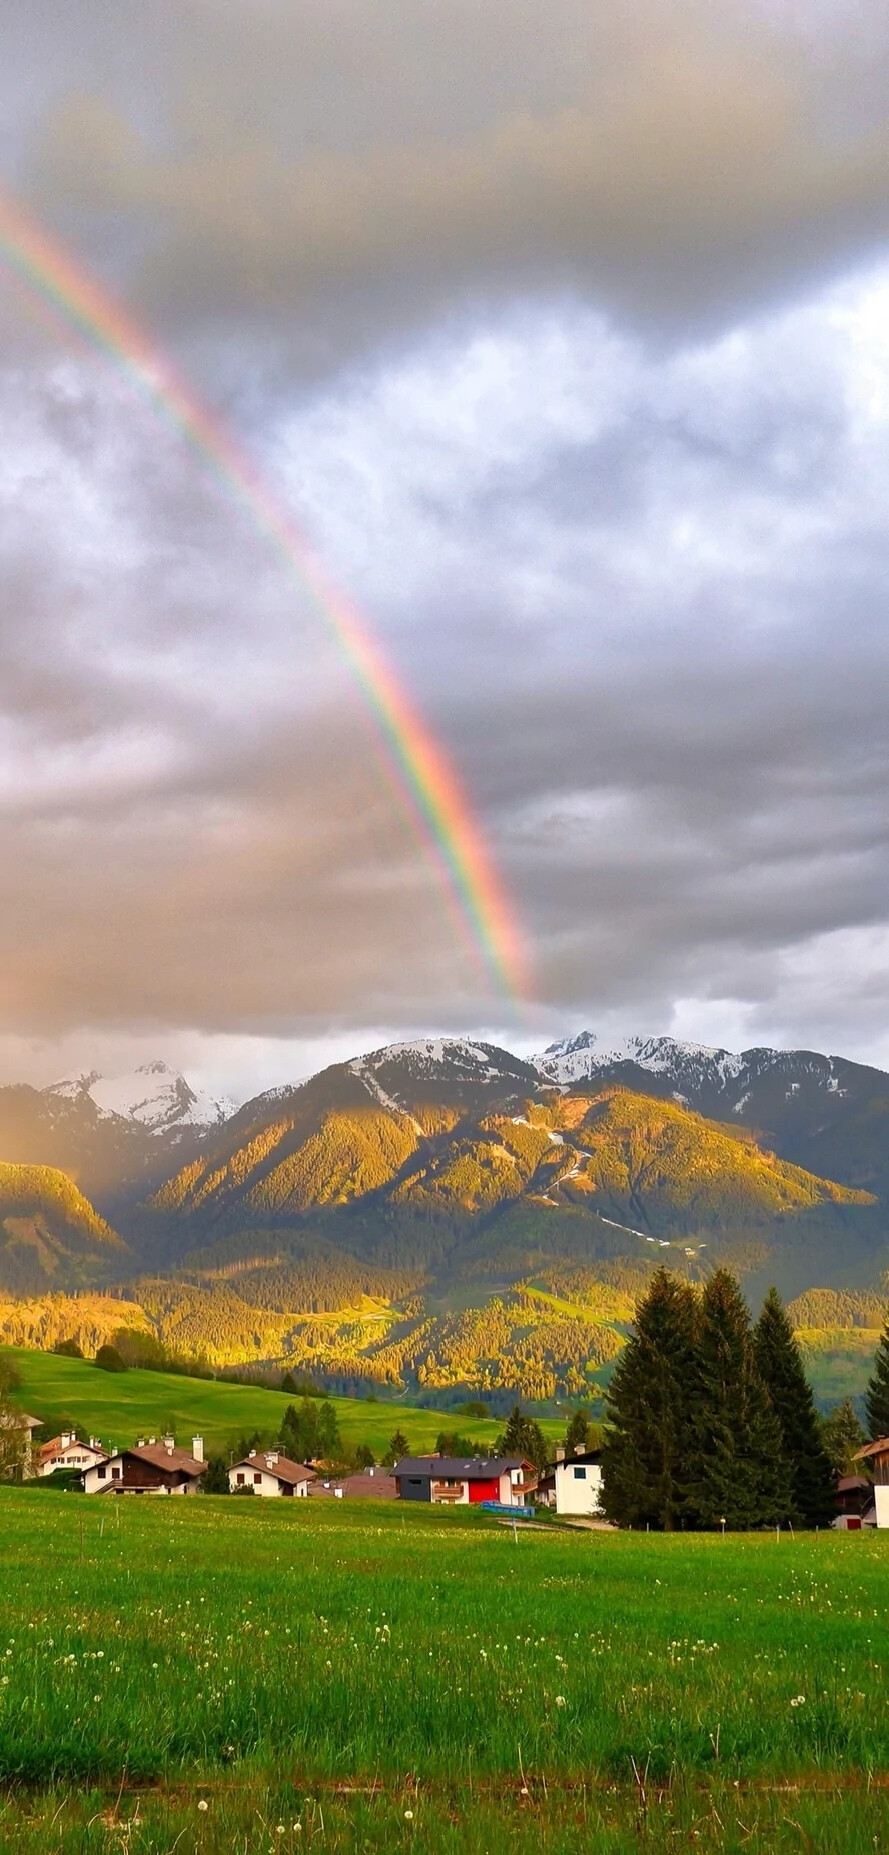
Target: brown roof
x: 285, y: 1470
x: 848, y: 1482
x: 879, y: 1448
x: 380, y: 1487
x: 55, y: 1444
x: 161, y: 1457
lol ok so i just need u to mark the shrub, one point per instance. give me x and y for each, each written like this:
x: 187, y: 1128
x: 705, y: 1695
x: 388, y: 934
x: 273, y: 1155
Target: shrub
x: 108, y: 1359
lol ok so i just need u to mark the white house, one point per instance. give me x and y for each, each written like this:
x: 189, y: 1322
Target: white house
x: 65, y: 1452
x: 148, y: 1468
x: 269, y: 1474
x: 574, y: 1483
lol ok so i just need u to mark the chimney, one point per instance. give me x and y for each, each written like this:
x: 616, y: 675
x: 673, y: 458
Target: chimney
x: 197, y: 1448
x: 250, y: 1454
x: 66, y: 1439
x: 152, y: 1439
x: 271, y: 1458
x: 169, y: 1443
x: 140, y: 1442
x: 560, y: 1452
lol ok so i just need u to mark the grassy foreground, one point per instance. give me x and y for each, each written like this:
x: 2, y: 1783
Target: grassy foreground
x: 389, y: 1678
x: 118, y: 1406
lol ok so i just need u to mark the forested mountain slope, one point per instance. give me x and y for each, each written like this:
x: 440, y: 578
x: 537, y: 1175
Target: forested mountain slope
x: 50, y: 1235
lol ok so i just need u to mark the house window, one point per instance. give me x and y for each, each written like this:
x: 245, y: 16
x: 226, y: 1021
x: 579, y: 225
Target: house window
x: 257, y: 1475
x: 240, y: 1480
x: 580, y: 1474
x: 102, y: 1472
x: 117, y: 1474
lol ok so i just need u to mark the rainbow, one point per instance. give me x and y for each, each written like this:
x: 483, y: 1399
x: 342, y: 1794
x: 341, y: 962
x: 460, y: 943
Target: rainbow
x: 425, y: 780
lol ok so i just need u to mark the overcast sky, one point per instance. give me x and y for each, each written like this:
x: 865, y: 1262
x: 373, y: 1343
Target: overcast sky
x: 564, y: 333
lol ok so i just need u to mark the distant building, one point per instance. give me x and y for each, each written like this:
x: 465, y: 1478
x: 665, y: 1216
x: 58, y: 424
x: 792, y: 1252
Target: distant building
x: 148, y: 1468
x: 461, y: 1481
x: 65, y: 1452
x: 269, y: 1473
x: 573, y: 1484
x: 375, y: 1484
x: 855, y: 1503
x: 23, y: 1426
x: 875, y: 1457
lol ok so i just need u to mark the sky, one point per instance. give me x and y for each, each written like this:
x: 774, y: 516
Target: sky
x: 563, y: 333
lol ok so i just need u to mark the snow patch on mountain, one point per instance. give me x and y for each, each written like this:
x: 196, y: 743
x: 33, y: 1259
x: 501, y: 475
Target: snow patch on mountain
x: 457, y: 1057
x: 155, y: 1096
x: 581, y: 1058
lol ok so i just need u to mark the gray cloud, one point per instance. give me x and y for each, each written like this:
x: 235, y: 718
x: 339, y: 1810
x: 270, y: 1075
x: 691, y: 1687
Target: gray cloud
x: 567, y: 348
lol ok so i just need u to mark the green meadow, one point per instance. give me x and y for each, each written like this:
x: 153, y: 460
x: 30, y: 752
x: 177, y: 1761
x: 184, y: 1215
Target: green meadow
x: 119, y: 1406
x: 377, y: 1678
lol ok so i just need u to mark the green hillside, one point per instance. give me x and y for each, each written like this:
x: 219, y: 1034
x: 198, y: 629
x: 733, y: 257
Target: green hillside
x: 118, y: 1407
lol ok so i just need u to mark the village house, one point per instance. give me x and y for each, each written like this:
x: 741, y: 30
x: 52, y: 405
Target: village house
x: 573, y: 1484
x: 65, y: 1452
x: 465, y: 1480
x: 148, y: 1468
x: 855, y: 1503
x: 23, y: 1427
x: 875, y: 1457
x: 375, y: 1483
x: 269, y: 1473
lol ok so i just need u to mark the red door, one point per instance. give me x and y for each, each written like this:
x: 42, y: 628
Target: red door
x: 485, y: 1490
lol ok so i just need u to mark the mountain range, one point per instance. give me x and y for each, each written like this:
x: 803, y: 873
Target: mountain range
x: 444, y: 1215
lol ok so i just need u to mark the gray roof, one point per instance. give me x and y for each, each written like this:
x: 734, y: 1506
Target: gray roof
x: 460, y: 1468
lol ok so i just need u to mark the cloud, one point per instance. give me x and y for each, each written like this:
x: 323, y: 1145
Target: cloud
x: 339, y: 174
x: 567, y: 347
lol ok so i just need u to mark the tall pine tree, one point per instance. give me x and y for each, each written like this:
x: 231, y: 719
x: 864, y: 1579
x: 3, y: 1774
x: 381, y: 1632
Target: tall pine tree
x: 736, y: 1471
x: 644, y: 1453
x: 876, y: 1402
x: 843, y: 1437
x: 780, y: 1364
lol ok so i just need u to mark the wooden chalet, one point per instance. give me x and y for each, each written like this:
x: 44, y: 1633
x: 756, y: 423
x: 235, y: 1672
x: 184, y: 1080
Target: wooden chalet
x: 148, y: 1468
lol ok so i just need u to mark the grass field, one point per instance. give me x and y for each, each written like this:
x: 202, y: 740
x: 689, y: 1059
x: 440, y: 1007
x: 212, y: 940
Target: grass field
x: 118, y: 1406
x: 389, y: 1679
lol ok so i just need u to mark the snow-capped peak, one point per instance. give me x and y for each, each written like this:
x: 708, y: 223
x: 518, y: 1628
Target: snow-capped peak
x: 458, y: 1057
x: 154, y: 1095
x: 580, y: 1058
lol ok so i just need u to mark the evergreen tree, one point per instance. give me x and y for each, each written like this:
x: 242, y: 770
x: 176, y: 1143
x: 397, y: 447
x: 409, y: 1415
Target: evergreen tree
x: 398, y: 1447
x: 301, y: 1433
x: 737, y: 1473
x: 577, y: 1435
x: 842, y: 1436
x: 215, y: 1480
x: 876, y: 1400
x: 289, y: 1385
x: 330, y: 1442
x: 364, y: 1457
x: 523, y: 1437
x: 646, y: 1444
x: 451, y: 1443
x: 780, y: 1365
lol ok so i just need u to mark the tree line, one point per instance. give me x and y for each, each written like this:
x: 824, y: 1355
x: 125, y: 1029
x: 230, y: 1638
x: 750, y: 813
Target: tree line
x: 711, y: 1420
